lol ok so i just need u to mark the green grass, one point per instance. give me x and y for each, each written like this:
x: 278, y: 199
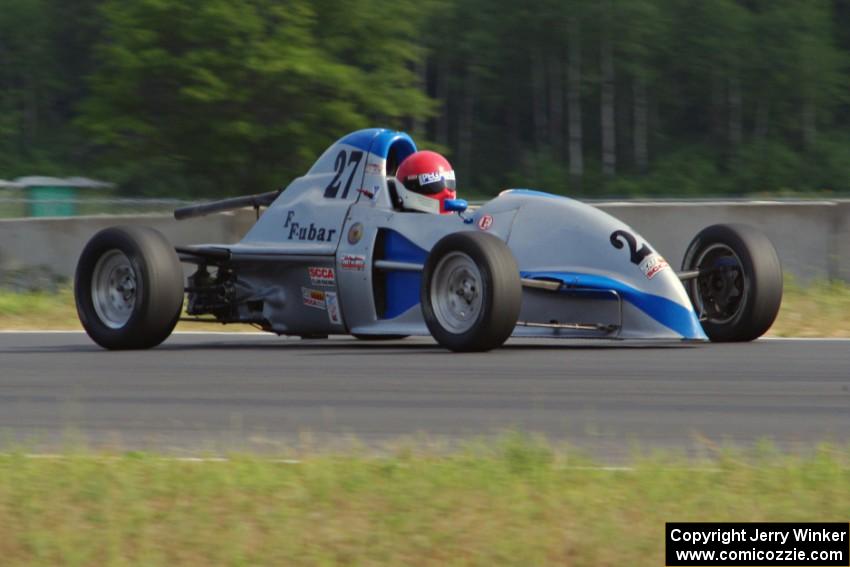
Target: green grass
x: 821, y: 309
x: 38, y: 310
x: 56, y: 311
x: 516, y: 502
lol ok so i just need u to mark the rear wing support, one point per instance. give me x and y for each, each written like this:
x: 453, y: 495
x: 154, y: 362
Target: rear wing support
x: 254, y: 201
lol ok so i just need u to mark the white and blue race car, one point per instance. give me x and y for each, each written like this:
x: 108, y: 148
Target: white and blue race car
x: 339, y: 252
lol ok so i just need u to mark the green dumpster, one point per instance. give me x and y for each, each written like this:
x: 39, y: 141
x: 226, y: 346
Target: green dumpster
x: 55, y: 201
x: 55, y: 197
x: 49, y: 196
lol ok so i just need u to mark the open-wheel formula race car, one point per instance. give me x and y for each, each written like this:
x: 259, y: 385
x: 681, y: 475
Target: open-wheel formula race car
x: 338, y: 252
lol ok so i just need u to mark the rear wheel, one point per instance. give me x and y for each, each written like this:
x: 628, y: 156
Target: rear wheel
x: 739, y: 290
x: 471, y: 293
x: 128, y: 288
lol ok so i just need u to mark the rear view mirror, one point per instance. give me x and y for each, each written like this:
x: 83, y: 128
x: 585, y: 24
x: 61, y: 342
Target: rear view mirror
x: 455, y: 205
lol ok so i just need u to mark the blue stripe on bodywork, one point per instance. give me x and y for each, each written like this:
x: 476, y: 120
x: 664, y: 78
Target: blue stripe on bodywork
x: 402, y: 288
x: 378, y: 141
x: 669, y: 313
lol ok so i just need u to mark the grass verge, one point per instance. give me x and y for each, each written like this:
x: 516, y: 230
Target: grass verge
x: 821, y: 309
x: 56, y: 312
x: 513, y: 503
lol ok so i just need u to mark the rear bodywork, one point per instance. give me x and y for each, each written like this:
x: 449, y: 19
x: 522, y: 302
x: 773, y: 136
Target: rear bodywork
x: 334, y: 254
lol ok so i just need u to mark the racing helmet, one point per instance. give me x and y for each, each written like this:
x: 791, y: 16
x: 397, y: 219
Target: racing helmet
x: 428, y: 180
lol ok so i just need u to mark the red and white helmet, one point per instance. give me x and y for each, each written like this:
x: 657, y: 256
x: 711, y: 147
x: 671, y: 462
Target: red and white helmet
x: 428, y: 180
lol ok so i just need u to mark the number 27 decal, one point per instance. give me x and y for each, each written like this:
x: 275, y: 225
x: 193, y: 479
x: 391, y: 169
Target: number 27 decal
x: 342, y: 161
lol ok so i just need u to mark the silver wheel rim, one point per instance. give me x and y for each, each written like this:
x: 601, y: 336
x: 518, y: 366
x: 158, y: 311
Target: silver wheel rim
x: 113, y: 289
x: 456, y: 293
x: 714, y: 253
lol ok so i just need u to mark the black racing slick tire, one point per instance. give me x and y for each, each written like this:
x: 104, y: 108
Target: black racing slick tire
x: 471, y: 292
x: 128, y: 288
x: 739, y: 290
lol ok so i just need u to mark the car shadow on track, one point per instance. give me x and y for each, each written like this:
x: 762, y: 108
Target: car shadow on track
x: 346, y: 347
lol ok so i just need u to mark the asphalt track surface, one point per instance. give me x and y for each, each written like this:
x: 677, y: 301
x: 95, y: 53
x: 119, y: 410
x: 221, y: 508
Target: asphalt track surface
x: 202, y: 393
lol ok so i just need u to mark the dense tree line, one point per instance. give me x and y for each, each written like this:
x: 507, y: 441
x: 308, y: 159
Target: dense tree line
x: 603, y: 97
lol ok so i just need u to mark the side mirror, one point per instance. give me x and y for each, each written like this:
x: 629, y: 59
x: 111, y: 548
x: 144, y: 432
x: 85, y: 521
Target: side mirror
x: 455, y: 205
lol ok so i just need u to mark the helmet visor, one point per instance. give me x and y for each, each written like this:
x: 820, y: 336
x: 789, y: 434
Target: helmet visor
x: 431, y: 183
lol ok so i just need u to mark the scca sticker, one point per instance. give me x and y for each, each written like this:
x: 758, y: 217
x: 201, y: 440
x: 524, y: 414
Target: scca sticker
x: 353, y: 262
x: 313, y: 298
x: 321, y: 275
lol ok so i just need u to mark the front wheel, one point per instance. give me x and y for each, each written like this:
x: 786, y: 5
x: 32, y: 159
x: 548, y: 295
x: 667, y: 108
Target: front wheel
x: 739, y: 290
x: 128, y: 288
x: 471, y: 292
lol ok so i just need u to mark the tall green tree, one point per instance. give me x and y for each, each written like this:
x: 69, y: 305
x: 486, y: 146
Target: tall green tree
x: 240, y: 95
x: 26, y: 81
x: 208, y: 97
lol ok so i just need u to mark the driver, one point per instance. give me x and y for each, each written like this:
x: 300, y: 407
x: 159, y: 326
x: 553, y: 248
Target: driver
x: 428, y: 181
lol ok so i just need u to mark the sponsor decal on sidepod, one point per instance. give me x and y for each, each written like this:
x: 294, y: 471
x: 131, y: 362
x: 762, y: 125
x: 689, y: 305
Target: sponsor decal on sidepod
x: 313, y: 298
x: 321, y: 275
x: 333, y: 308
x: 353, y: 262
